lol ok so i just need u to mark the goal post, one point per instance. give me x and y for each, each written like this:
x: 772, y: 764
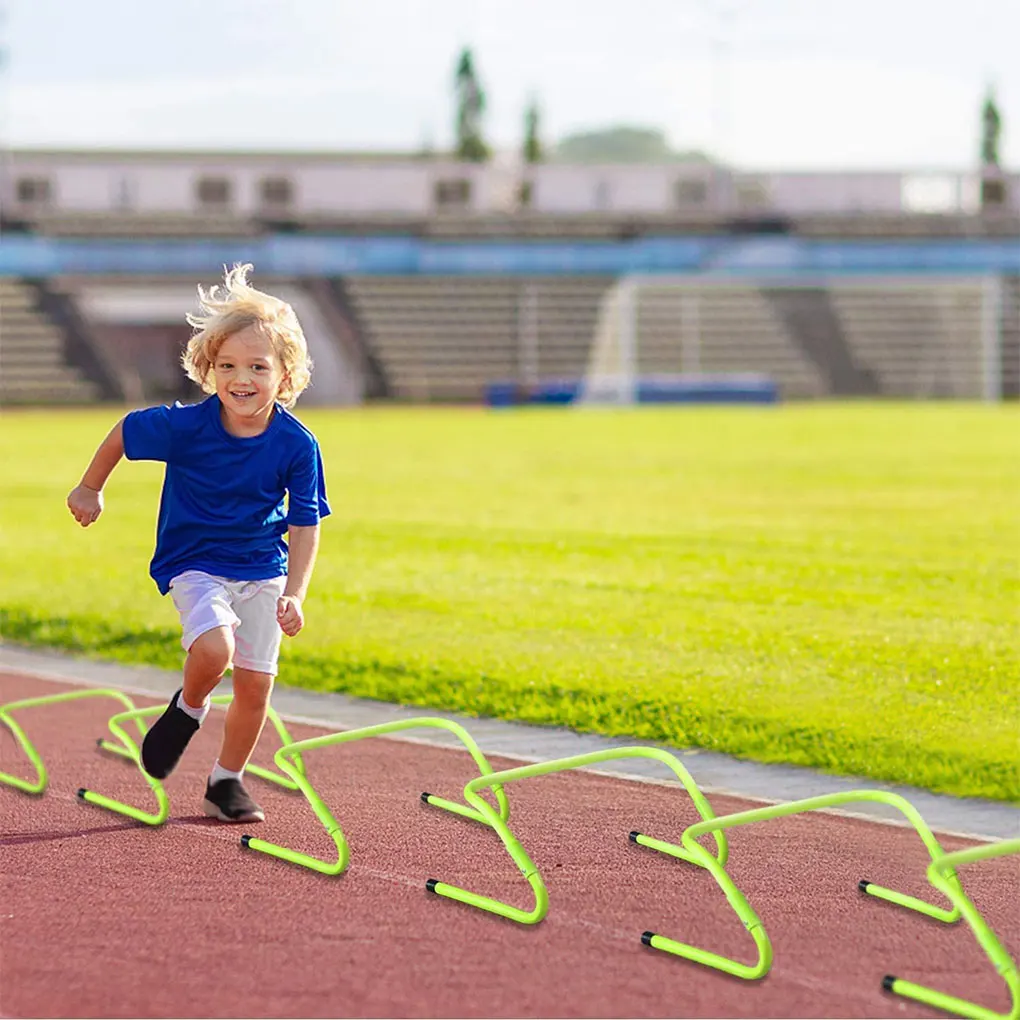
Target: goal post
x: 611, y: 375
x: 648, y: 337
x: 899, y: 336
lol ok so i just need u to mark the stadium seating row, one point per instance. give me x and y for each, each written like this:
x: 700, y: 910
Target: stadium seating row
x: 447, y: 338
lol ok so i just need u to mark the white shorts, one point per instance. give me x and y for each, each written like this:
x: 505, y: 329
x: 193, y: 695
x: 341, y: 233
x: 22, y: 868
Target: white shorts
x: 247, y: 607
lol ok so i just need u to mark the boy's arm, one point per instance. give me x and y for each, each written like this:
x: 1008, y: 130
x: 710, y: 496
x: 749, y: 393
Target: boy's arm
x: 85, y: 500
x: 303, y: 545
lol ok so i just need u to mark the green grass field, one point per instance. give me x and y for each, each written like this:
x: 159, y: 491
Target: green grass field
x: 829, y: 585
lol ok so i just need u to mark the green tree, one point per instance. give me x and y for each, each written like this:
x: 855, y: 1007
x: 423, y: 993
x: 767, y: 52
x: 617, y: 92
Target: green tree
x: 615, y: 145
x: 621, y: 144
x: 532, y: 141
x: 470, y: 106
x: 991, y: 131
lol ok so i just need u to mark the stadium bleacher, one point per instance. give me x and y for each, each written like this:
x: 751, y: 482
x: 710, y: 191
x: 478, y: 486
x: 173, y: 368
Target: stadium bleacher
x: 1011, y: 338
x: 919, y: 342
x: 447, y: 337
x: 34, y: 367
x: 413, y: 298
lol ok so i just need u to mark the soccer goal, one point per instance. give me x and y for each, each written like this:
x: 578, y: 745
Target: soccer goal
x: 893, y: 336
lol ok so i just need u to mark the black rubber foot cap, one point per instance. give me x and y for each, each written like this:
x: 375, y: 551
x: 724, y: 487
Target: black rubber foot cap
x: 99, y: 741
x: 633, y: 836
x: 81, y: 793
x: 245, y: 840
x: 863, y: 885
x: 646, y: 937
x: 887, y: 982
x: 431, y: 884
x: 425, y: 797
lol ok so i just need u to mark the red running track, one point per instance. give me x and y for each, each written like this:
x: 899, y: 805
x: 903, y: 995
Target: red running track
x: 100, y: 917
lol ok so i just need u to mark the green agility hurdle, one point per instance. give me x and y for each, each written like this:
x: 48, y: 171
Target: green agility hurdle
x: 126, y: 748
x: 520, y: 855
x: 39, y: 785
x: 692, y: 850
x: 941, y: 875
x: 293, y: 751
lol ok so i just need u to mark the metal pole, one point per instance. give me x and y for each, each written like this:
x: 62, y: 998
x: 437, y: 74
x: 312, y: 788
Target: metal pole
x: 690, y: 332
x: 627, y: 327
x: 722, y: 42
x: 527, y: 334
x: 991, y: 338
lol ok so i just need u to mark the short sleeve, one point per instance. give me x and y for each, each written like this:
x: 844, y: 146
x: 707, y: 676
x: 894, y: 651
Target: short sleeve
x: 306, y: 490
x: 147, y: 434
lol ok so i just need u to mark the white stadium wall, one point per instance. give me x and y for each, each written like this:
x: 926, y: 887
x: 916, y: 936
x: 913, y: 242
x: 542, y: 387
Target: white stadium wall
x: 148, y: 183
x: 368, y: 189
x: 573, y: 189
x: 799, y: 193
x: 245, y: 185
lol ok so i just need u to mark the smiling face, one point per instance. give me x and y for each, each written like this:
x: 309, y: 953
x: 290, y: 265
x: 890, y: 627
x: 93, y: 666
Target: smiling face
x: 248, y: 375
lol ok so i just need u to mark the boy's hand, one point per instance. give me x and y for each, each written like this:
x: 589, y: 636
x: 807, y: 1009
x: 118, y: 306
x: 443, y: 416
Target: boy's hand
x: 289, y: 614
x: 85, y: 504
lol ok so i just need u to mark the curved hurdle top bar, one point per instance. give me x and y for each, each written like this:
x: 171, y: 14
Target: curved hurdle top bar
x: 6, y: 717
x: 832, y: 800
x: 520, y: 855
x: 939, y: 872
x: 128, y: 749
x: 283, y: 760
x: 739, y: 902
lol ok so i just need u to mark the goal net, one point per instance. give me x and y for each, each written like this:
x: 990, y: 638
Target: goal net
x: 920, y: 337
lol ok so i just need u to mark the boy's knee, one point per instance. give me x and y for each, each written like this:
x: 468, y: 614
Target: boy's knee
x: 251, y: 688
x: 215, y: 649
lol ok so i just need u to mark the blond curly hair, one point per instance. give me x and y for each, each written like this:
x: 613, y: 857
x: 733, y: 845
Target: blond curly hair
x: 234, y: 306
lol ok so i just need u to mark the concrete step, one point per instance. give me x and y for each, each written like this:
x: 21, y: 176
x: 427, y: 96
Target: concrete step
x: 40, y: 371
x: 47, y: 391
x: 45, y: 339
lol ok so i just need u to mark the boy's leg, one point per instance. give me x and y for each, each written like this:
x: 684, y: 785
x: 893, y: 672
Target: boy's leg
x: 225, y: 795
x: 257, y: 647
x: 208, y: 659
x: 208, y: 623
x: 245, y: 717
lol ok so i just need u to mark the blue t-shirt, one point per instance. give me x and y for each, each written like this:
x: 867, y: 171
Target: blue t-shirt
x: 222, y: 505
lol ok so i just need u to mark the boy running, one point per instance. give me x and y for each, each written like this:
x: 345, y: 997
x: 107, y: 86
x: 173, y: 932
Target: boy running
x: 220, y: 550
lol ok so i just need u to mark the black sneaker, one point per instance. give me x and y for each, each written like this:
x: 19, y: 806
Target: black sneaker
x: 166, y: 740
x: 229, y: 801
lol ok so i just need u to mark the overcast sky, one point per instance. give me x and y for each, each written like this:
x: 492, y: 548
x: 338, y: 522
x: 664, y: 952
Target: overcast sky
x: 770, y: 84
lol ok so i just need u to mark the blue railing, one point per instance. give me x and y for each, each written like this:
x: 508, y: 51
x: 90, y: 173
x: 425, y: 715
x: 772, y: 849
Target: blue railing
x: 333, y: 256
